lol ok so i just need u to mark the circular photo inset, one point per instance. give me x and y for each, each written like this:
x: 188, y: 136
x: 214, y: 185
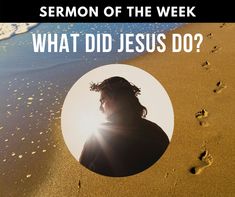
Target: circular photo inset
x: 117, y: 120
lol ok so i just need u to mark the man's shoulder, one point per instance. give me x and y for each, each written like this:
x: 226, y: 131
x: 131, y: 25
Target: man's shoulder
x: 154, y: 130
x: 151, y: 125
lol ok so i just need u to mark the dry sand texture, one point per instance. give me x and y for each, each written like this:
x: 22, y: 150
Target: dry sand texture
x: 200, y: 158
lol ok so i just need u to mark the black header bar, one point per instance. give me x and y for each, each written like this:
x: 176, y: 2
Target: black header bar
x: 107, y: 11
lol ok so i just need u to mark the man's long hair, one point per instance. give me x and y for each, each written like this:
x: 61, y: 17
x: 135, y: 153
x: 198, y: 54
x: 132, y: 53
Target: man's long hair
x: 124, y: 93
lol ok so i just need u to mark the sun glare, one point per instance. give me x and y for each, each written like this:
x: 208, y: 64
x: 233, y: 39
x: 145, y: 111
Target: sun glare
x: 89, y: 123
x: 81, y: 117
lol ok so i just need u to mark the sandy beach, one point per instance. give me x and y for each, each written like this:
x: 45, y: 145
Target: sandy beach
x: 199, y: 159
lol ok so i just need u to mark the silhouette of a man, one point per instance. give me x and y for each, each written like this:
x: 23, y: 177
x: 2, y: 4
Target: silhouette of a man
x: 127, y: 143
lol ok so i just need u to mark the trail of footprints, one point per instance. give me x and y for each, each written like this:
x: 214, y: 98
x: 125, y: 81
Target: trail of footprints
x: 202, y: 115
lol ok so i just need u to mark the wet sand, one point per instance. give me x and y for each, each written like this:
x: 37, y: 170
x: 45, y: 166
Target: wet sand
x: 199, y: 160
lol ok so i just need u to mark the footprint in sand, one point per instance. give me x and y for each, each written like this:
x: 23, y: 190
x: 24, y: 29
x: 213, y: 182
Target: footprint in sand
x: 223, y: 24
x: 210, y: 35
x: 206, y: 65
x: 206, y: 159
x: 201, y: 114
x: 201, y: 117
x: 215, y: 49
x: 204, y: 123
x: 219, y: 87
